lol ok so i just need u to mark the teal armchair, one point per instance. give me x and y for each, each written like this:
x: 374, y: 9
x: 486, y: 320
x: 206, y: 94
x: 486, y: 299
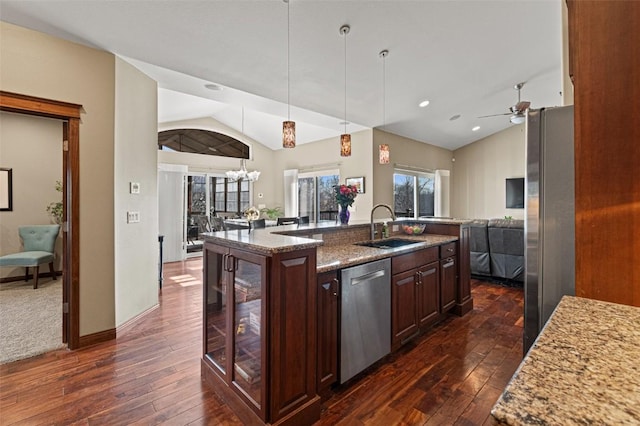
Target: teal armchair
x: 38, y: 242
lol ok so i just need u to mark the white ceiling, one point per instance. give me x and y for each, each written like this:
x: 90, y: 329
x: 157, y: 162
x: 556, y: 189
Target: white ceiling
x: 463, y: 56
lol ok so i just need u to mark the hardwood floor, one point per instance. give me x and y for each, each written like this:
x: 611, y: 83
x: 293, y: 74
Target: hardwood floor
x: 151, y: 374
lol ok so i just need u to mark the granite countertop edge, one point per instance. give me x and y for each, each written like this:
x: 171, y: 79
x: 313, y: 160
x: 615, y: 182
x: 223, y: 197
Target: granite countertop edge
x: 582, y: 369
x: 269, y: 242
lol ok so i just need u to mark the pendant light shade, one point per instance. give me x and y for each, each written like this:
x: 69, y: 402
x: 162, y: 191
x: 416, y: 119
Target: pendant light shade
x: 288, y: 134
x: 288, y: 127
x: 345, y: 139
x: 345, y: 145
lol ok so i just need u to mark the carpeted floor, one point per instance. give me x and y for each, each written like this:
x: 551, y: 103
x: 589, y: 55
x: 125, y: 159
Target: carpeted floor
x: 30, y: 320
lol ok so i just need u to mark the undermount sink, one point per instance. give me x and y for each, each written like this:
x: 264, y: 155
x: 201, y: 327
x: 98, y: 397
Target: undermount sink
x: 388, y: 243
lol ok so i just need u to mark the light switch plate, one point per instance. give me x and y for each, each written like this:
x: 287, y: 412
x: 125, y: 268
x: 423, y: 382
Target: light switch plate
x: 133, y: 217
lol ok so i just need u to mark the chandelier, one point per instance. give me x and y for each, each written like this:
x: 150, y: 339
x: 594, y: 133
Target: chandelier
x: 243, y: 174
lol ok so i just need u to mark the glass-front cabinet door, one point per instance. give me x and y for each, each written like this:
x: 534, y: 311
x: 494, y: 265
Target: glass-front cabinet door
x: 216, y: 316
x: 235, y: 337
x: 249, y: 337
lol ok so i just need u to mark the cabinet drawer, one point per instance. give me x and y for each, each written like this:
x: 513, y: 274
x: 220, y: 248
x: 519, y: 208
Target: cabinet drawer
x: 447, y: 250
x: 404, y: 262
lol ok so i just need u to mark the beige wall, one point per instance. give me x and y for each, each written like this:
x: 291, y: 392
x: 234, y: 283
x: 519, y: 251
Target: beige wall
x: 326, y: 154
x: 407, y: 152
x: 479, y: 173
x: 40, y: 65
x: 136, y: 244
x: 32, y: 148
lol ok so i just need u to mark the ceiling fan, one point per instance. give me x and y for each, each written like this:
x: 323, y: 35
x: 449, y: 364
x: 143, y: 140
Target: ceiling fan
x: 516, y: 111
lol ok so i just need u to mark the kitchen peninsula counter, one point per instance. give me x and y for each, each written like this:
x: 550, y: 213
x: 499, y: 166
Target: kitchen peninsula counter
x: 582, y: 369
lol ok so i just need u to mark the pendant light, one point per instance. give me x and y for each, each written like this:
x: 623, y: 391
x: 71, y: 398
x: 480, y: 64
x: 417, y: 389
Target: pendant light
x: 345, y: 138
x: 288, y: 127
x: 384, y: 148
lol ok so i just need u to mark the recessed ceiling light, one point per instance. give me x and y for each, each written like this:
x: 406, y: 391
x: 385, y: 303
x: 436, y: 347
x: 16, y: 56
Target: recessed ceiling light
x: 423, y: 104
x: 475, y: 129
x: 455, y: 117
x: 214, y: 87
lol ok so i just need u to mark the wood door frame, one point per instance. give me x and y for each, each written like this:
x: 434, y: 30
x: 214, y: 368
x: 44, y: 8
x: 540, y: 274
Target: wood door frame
x: 70, y: 115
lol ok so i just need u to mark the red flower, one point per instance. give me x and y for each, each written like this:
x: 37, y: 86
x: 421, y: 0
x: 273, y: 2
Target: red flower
x: 345, y: 194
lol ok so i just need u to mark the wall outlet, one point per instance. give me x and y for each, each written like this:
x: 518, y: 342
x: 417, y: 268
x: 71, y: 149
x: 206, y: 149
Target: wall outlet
x: 133, y: 217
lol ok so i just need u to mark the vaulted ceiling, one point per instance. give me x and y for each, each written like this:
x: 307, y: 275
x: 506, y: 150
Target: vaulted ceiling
x: 464, y: 56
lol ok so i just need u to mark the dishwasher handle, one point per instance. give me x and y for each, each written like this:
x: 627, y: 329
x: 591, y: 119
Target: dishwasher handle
x: 367, y: 277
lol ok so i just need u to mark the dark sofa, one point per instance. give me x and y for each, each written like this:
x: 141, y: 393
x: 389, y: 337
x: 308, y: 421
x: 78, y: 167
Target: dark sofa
x: 497, y: 249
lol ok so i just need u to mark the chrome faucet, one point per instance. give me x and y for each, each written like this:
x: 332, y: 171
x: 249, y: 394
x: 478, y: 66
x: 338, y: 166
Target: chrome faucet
x: 373, y: 228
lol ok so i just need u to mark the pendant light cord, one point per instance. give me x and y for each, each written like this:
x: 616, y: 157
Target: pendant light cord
x: 288, y: 63
x: 384, y: 90
x: 345, y: 81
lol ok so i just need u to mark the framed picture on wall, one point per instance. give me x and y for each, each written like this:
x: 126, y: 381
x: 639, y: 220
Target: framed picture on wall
x: 6, y: 190
x: 358, y: 182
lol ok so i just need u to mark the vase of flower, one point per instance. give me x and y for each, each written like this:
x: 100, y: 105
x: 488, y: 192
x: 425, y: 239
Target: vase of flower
x: 344, y: 195
x: 343, y: 214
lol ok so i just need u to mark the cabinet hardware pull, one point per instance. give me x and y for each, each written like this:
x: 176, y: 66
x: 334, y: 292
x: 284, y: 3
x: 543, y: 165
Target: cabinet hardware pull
x: 336, y: 282
x: 449, y: 249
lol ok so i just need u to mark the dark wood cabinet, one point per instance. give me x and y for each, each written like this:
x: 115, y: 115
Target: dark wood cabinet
x: 448, y: 279
x: 328, y: 309
x: 428, y: 296
x: 464, y: 301
x: 414, y: 294
x: 259, y: 329
x: 603, y: 36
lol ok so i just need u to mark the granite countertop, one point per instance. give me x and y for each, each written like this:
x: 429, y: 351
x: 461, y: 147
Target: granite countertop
x: 584, y: 368
x: 269, y: 240
x: 261, y: 240
x: 344, y: 255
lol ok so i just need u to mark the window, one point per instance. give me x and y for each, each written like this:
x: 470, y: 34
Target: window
x: 315, y: 195
x: 228, y: 196
x: 413, y: 193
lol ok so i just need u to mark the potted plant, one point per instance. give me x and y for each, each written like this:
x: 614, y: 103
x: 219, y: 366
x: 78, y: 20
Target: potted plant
x: 272, y: 213
x: 55, y: 209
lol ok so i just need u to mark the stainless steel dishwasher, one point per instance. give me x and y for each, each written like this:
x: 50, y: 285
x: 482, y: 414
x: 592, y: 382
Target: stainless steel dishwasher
x: 365, y: 326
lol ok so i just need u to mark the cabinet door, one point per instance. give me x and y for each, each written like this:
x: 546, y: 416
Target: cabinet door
x: 216, y: 315
x: 448, y: 283
x: 327, y: 329
x: 404, y: 320
x: 249, y: 327
x: 428, y: 293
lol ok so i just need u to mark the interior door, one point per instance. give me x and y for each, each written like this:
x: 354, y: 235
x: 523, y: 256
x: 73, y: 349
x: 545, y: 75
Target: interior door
x: 171, y: 211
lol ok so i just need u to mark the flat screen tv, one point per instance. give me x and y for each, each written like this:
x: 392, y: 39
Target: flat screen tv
x: 515, y: 193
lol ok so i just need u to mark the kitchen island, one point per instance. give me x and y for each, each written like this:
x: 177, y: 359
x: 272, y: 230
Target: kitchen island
x: 272, y: 309
x: 583, y: 369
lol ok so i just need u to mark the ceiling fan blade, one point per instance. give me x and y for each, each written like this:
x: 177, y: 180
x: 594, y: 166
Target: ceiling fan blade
x: 495, y: 115
x: 522, y: 106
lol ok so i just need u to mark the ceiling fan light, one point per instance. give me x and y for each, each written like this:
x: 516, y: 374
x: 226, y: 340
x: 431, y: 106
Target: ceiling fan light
x: 517, y: 119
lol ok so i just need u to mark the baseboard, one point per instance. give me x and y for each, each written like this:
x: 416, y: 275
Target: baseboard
x: 127, y: 325
x: 95, y: 338
x: 29, y: 277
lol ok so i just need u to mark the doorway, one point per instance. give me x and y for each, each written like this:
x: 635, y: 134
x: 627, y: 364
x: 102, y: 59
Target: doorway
x: 69, y: 114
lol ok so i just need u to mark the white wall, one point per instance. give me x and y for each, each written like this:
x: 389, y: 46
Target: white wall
x: 136, y: 244
x: 480, y: 169
x: 32, y: 148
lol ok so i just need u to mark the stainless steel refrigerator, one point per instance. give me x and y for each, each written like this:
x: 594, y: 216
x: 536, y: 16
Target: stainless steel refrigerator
x: 550, y: 216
